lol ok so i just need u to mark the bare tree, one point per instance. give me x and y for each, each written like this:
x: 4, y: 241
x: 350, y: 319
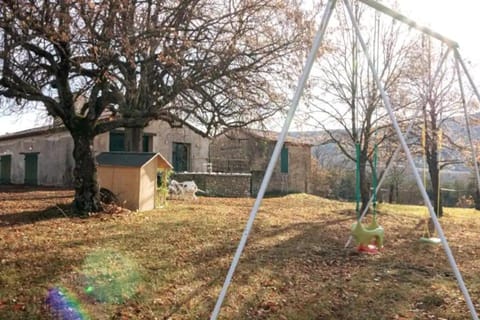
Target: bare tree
x: 101, y: 65
x: 348, y: 98
x: 433, y: 81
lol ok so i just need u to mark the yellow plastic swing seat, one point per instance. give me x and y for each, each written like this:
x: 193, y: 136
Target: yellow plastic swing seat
x: 365, y: 236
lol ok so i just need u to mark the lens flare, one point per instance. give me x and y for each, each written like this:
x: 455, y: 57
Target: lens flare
x: 110, y: 276
x: 64, y: 306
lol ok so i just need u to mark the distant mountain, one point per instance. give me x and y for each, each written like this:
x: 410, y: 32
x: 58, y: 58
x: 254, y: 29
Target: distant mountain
x: 314, y: 137
x: 327, y: 153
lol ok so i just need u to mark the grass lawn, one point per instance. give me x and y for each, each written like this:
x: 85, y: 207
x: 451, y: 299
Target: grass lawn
x: 171, y: 263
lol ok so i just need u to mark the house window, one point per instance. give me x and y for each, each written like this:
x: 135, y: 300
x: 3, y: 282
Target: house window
x: 146, y: 143
x: 117, y: 142
x: 181, y: 156
x: 284, y: 160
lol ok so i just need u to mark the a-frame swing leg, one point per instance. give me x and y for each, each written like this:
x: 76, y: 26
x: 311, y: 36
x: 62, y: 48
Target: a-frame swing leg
x: 276, y: 153
x: 411, y: 162
x: 458, y: 60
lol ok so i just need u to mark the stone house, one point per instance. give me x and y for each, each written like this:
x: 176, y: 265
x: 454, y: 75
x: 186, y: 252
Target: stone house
x: 43, y: 156
x: 249, y: 151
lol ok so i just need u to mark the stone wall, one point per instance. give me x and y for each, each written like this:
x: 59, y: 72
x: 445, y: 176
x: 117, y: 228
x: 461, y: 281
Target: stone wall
x: 219, y: 184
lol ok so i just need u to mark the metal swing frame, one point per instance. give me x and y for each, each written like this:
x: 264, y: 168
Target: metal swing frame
x: 295, y: 101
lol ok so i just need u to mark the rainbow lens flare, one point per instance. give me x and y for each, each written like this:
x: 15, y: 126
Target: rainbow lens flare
x: 110, y: 276
x: 63, y: 305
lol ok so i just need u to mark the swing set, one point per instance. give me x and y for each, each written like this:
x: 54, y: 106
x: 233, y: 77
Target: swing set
x: 361, y: 234
x: 364, y: 235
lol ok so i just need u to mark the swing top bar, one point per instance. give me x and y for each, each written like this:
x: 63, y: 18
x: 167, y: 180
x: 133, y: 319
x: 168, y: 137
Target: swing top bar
x: 400, y: 17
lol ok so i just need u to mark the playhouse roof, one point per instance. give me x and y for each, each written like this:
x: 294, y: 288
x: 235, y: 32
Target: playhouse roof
x: 132, y: 159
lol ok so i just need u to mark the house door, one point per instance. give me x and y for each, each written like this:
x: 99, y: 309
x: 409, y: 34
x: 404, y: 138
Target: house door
x: 181, y: 156
x: 117, y: 142
x: 31, y: 168
x: 5, y: 169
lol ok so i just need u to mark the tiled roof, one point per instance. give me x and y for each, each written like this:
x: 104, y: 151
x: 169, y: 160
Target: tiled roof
x: 32, y: 132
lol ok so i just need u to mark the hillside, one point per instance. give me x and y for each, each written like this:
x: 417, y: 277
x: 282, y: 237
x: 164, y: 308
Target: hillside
x: 326, y: 151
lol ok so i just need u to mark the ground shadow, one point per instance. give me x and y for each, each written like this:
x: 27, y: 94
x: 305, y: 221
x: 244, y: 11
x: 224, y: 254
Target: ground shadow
x: 20, y: 188
x: 29, y: 217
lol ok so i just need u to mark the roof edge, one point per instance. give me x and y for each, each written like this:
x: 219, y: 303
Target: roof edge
x: 32, y: 132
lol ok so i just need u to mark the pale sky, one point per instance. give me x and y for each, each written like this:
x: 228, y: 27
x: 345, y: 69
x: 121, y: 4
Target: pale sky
x: 458, y: 20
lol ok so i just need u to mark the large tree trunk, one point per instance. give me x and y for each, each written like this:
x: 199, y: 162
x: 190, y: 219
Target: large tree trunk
x: 437, y: 197
x: 134, y: 139
x: 87, y: 195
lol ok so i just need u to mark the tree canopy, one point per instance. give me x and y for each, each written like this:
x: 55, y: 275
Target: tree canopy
x: 205, y: 63
x: 101, y: 65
